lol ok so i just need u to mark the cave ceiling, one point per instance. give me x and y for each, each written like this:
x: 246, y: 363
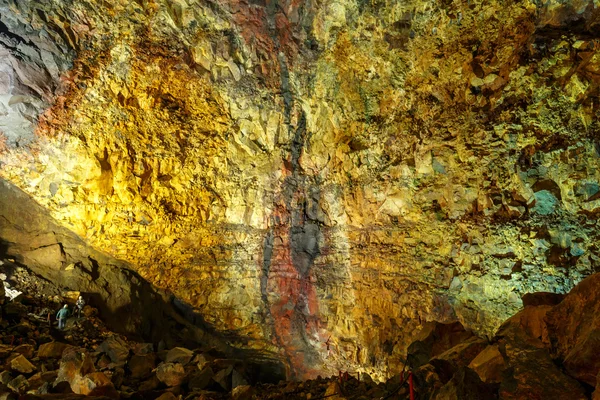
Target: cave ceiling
x: 319, y: 177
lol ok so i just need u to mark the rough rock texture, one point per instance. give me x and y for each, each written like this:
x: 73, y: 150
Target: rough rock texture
x: 574, y: 330
x: 316, y: 177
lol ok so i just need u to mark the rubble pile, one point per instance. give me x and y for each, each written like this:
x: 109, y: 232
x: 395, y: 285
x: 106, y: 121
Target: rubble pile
x: 87, y: 360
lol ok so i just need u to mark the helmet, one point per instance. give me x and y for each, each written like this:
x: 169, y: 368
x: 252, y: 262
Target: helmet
x: 65, y: 306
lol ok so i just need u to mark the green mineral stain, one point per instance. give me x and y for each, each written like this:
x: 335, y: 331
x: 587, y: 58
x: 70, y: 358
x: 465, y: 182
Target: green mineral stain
x: 545, y: 202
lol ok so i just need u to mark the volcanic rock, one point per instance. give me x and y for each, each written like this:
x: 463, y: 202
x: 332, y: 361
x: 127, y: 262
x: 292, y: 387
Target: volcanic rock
x: 51, y: 350
x: 574, y: 330
x: 179, y: 355
x: 140, y: 366
x: 116, y: 348
x: 489, y: 364
x: 171, y: 374
x: 22, y: 365
x: 530, y: 372
x: 434, y: 339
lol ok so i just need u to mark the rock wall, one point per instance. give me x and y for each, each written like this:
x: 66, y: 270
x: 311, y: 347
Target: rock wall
x: 319, y: 177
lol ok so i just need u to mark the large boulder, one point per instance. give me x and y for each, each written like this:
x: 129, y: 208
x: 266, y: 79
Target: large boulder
x: 447, y: 363
x: 531, y: 372
x: 171, y: 374
x: 116, y: 348
x: 531, y: 320
x: 22, y: 365
x: 434, y: 339
x: 74, y: 366
x: 466, y: 385
x: 489, y: 364
x: 574, y: 330
x: 141, y: 366
x: 51, y: 350
x: 179, y: 355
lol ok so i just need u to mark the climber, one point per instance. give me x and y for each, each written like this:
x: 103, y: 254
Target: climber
x: 61, y: 316
x: 80, y: 303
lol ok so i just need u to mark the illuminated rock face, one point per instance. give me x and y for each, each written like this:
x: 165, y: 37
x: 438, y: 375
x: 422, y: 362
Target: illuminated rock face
x: 320, y: 178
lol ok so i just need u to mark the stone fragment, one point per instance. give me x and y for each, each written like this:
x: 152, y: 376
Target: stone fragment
x: 18, y: 384
x: 489, y: 364
x: 51, y: 350
x: 574, y: 330
x: 171, y: 374
x: 22, y: 365
x: 5, y: 377
x: 179, y: 355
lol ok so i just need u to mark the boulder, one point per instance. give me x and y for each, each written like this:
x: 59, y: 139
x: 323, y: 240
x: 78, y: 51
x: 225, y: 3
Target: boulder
x: 149, y: 384
x: 171, y: 374
x: 25, y: 349
x: 141, y: 349
x: 116, y: 348
x: 5, y: 377
x: 531, y: 373
x: 447, y: 363
x: 22, y: 365
x: 531, y: 320
x: 200, y: 380
x: 179, y: 355
x: 334, y: 392
x: 223, y: 378
x: 141, y: 366
x: 465, y: 384
x: 51, y: 350
x: 5, y: 351
x: 434, y: 339
x: 202, y: 359
x: 427, y: 381
x: 74, y: 366
x: 489, y: 364
x: 18, y: 384
x: 574, y: 330
x: 237, y: 379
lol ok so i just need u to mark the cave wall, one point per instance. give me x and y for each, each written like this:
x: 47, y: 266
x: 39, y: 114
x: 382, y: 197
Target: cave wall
x: 318, y: 172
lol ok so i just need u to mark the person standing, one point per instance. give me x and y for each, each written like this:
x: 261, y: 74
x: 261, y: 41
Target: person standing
x: 61, y: 316
x: 80, y: 304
